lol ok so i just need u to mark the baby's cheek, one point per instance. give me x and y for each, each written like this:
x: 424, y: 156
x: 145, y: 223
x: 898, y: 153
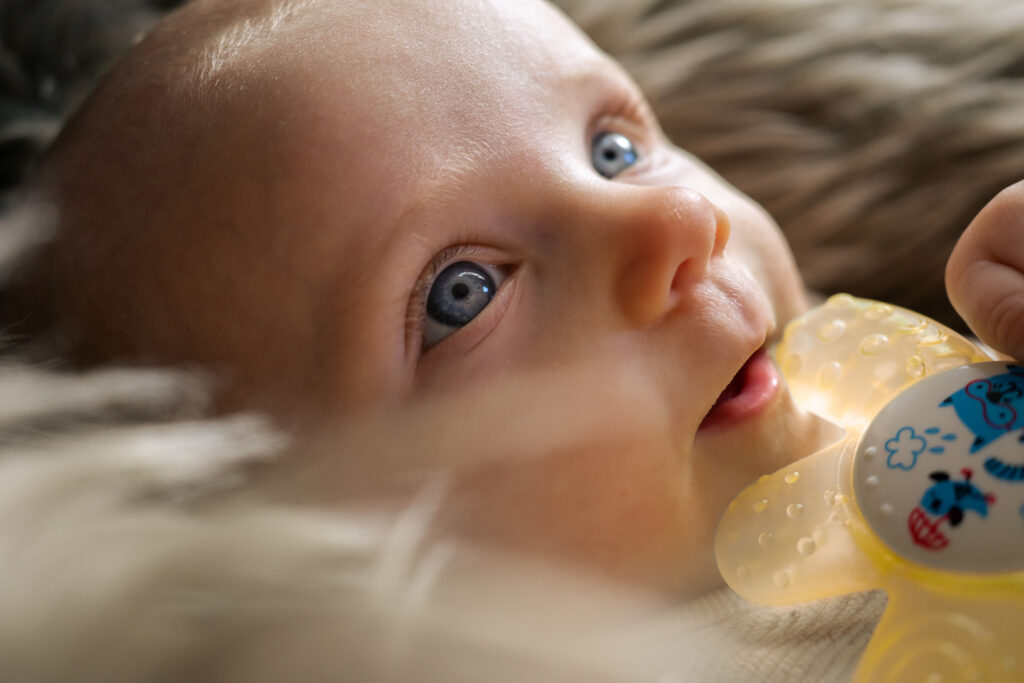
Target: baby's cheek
x: 621, y: 509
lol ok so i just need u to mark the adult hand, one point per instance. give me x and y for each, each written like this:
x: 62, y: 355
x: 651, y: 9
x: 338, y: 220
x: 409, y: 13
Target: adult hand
x: 985, y: 273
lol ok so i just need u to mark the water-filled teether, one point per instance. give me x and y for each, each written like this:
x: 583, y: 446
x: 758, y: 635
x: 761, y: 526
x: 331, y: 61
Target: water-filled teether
x: 923, y: 496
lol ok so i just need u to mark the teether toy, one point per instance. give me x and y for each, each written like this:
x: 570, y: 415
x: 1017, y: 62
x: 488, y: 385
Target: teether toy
x: 923, y: 495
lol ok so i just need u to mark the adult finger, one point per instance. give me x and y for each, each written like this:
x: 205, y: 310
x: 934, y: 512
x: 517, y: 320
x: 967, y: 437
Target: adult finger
x: 985, y: 273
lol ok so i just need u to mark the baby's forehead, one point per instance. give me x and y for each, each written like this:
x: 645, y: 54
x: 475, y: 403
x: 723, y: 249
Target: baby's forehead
x: 460, y: 66
x: 422, y: 50
x: 278, y: 93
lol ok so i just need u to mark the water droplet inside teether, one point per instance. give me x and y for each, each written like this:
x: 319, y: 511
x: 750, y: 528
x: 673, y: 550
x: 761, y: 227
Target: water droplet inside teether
x: 915, y: 366
x: 743, y: 572
x: 878, y: 311
x: 873, y: 344
x: 760, y: 505
x: 791, y: 477
x: 871, y: 481
x: 829, y: 496
x: 806, y: 546
x: 831, y: 330
x: 912, y: 325
x: 781, y: 579
x: 794, y: 510
x: 765, y: 539
x: 791, y: 365
x: 931, y: 335
x: 829, y: 373
x: 838, y: 499
x: 886, y: 509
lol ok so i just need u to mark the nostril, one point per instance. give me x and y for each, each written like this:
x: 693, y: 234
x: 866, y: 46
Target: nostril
x: 679, y: 278
x: 672, y: 237
x: 723, y: 229
x: 684, y: 275
x: 688, y: 272
x: 698, y: 247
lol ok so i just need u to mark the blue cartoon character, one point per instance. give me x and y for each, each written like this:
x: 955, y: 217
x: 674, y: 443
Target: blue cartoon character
x: 945, y: 500
x: 991, y: 407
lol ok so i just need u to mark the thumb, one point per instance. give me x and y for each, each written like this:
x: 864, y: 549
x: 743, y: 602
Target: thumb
x: 985, y: 273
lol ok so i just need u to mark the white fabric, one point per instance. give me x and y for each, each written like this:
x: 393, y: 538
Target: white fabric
x: 721, y: 637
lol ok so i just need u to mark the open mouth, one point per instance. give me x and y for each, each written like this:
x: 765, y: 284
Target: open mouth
x: 747, y: 395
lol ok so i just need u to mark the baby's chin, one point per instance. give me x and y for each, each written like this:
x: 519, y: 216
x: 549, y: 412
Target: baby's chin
x: 788, y: 433
x: 737, y: 454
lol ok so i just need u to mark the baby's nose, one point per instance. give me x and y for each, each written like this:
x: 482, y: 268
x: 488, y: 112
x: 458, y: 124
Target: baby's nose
x: 663, y: 240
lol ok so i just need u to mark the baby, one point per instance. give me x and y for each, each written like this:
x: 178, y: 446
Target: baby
x: 346, y: 207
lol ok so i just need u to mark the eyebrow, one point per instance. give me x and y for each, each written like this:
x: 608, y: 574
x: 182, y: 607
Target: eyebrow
x: 448, y: 181
x: 599, y: 72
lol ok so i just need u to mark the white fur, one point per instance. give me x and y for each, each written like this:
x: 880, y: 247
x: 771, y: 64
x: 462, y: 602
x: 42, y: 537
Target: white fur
x: 142, y: 552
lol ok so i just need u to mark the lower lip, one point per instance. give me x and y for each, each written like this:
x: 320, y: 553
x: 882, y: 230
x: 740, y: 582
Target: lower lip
x: 750, y: 392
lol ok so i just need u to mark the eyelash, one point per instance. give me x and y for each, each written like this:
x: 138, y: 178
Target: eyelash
x: 416, y: 316
x: 630, y: 108
x: 628, y: 114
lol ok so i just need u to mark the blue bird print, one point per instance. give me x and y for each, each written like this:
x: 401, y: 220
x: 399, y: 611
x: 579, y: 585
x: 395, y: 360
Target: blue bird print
x: 953, y: 498
x: 945, y: 500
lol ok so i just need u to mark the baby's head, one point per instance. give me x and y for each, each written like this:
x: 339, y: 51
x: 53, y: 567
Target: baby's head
x: 343, y: 205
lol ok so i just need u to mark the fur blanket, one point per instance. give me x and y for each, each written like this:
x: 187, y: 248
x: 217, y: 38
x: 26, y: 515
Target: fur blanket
x: 140, y: 542
x: 137, y: 540
x: 136, y: 546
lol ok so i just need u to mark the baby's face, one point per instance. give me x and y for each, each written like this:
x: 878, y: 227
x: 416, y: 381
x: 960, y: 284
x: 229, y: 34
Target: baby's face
x: 393, y: 199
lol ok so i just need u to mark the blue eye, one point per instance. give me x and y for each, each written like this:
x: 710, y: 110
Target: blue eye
x: 612, y: 153
x: 458, y: 295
